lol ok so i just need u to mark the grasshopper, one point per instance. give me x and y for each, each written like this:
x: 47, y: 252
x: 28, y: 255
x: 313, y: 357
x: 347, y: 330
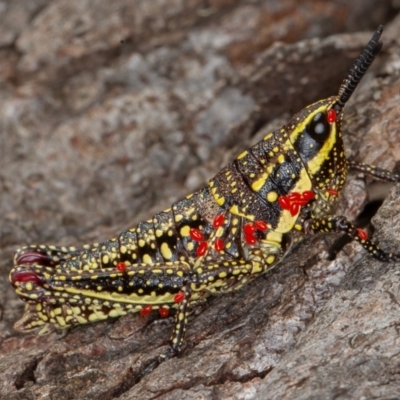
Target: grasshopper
x: 237, y: 227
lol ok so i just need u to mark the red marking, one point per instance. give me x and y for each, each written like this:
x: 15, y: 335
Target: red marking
x: 146, y: 310
x: 250, y: 239
x: 33, y: 257
x: 362, y: 234
x: 196, y: 235
x: 249, y: 229
x: 201, y: 250
x: 293, y: 196
x: 332, y: 192
x: 261, y: 225
x: 218, y: 221
x: 331, y: 116
x: 303, y: 202
x: 295, y: 200
x: 219, y: 244
x: 164, y: 312
x: 121, y: 266
x: 284, y: 202
x: 25, y: 276
x: 179, y: 297
x: 294, y: 209
x: 308, y: 195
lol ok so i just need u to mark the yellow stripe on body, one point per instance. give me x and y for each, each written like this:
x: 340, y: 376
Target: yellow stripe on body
x: 132, y: 298
x: 311, y: 168
x: 314, y: 165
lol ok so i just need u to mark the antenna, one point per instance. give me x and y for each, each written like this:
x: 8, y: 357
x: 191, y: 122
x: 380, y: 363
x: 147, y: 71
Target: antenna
x: 360, y: 67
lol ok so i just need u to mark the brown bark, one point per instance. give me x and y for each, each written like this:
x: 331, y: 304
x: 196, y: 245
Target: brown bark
x: 97, y: 135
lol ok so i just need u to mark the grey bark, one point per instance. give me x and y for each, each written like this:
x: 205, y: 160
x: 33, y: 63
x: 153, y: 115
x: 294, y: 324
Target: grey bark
x: 97, y: 135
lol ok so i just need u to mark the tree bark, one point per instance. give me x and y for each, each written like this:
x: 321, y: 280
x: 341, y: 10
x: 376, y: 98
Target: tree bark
x: 111, y: 111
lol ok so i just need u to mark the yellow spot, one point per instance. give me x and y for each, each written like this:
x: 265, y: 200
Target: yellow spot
x: 185, y: 230
x: 235, y: 209
x: 190, y: 246
x: 106, y: 259
x: 146, y: 259
x: 159, y: 232
x: 178, y: 217
x: 123, y: 249
x: 241, y: 155
x: 266, y: 137
x: 259, y: 183
x: 281, y: 159
x: 270, y: 259
x: 141, y: 242
x: 220, y: 201
x: 166, y: 251
x: 256, y: 268
x: 272, y: 196
x: 236, y: 272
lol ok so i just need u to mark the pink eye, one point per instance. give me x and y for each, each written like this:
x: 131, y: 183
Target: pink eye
x: 25, y: 276
x: 33, y: 257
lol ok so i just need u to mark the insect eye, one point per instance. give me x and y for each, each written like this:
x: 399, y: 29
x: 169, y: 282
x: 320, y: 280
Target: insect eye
x: 319, y: 127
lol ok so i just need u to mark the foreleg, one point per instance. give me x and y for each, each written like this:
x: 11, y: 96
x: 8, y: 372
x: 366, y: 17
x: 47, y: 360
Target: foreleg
x: 376, y: 172
x: 342, y: 225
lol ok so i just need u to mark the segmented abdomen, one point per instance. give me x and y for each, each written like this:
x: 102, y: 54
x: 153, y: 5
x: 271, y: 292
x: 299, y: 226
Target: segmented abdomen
x: 176, y: 234
x: 180, y: 233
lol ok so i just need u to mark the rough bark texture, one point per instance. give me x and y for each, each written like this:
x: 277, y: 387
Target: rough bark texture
x: 97, y: 134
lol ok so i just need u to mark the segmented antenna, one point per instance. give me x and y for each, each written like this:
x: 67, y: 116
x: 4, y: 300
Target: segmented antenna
x: 360, y: 67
